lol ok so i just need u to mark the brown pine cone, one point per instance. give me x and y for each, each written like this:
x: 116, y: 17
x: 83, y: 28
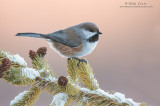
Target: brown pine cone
x: 42, y: 51
x: 6, y: 64
x: 1, y: 70
x: 32, y: 54
x: 62, y: 81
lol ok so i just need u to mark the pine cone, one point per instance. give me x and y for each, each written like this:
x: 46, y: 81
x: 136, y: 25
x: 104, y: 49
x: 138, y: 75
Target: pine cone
x: 42, y: 51
x: 32, y: 54
x: 62, y: 81
x: 1, y: 70
x: 6, y: 64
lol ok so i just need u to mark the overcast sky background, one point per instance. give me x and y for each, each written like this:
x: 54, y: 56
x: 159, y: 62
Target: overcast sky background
x: 126, y: 60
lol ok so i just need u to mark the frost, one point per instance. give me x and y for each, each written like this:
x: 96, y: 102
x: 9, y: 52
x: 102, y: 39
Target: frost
x: 30, y: 73
x: 50, y: 78
x: 102, y: 92
x: 15, y: 58
x: 42, y: 70
x: 117, y: 96
x: 88, y: 91
x: 122, y: 99
x: 17, y: 98
x: 59, y: 99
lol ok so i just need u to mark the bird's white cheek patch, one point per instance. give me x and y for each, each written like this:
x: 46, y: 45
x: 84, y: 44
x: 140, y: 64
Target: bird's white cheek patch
x: 88, y: 33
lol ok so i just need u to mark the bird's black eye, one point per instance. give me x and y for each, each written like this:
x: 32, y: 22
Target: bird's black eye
x: 91, y: 30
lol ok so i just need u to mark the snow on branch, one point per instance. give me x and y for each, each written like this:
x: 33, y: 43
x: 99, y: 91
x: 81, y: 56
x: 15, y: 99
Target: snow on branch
x: 18, y: 98
x: 14, y: 58
x: 119, y: 97
x: 59, y: 99
x: 14, y: 70
x: 30, y: 73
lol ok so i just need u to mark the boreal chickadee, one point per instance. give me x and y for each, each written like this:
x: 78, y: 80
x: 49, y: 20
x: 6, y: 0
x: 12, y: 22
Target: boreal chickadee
x: 72, y: 42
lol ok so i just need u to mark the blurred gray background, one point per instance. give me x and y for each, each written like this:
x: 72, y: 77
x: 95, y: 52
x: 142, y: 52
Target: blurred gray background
x: 127, y: 58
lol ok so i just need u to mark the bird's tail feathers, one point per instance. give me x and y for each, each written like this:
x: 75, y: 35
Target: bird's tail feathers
x: 36, y: 35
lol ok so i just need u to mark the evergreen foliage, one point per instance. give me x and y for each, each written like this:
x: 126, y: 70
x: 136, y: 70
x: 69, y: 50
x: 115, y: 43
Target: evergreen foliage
x: 64, y: 89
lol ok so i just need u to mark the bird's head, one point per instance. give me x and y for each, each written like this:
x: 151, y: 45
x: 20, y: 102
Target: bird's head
x: 89, y: 31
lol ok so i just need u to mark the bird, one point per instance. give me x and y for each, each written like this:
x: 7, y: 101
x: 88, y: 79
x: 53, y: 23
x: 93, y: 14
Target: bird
x: 72, y: 42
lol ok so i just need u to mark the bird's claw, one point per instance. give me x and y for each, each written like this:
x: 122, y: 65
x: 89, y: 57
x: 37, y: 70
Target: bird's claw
x: 79, y: 60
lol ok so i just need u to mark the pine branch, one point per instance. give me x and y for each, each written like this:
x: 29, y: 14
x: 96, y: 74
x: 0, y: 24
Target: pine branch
x: 60, y: 99
x: 84, y: 95
x: 39, y: 63
x: 72, y: 70
x: 16, y: 60
x: 87, y: 77
x: 21, y: 76
x: 95, y: 100
x: 69, y: 101
x: 27, y: 98
x: 14, y: 70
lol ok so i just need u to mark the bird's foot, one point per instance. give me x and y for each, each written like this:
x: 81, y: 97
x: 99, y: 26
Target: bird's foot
x: 80, y: 60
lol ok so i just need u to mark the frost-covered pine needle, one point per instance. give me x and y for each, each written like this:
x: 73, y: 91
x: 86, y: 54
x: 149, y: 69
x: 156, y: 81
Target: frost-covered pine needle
x: 51, y: 79
x: 122, y: 99
x: 17, y: 98
x: 14, y: 58
x: 59, y: 100
x: 30, y: 73
x: 42, y: 70
x: 117, y: 96
x: 48, y: 78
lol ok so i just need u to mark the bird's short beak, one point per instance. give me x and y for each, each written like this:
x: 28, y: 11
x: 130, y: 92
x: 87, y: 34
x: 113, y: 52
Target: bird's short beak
x: 99, y: 32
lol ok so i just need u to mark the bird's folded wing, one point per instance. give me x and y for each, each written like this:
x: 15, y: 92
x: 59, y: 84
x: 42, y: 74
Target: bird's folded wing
x: 59, y: 36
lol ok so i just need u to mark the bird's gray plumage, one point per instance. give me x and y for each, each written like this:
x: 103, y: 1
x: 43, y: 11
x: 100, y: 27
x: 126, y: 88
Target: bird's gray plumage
x: 58, y: 36
x: 35, y: 35
x: 75, y: 41
x: 61, y: 37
